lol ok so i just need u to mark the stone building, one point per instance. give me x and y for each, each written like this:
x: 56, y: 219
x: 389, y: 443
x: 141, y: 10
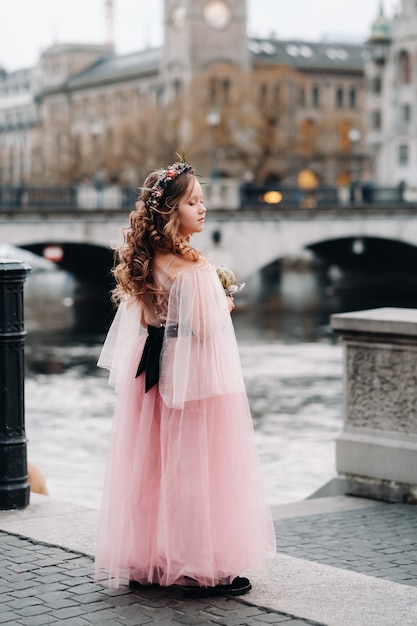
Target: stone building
x: 18, y: 118
x: 392, y: 78
x: 260, y: 109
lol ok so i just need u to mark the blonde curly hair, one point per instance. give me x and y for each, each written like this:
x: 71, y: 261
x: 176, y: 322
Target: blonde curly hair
x: 150, y: 230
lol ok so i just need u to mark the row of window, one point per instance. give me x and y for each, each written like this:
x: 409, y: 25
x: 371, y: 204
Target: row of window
x: 114, y: 104
x: 18, y: 118
x: 13, y: 90
x: 219, y: 93
x: 313, y: 96
x: 404, y: 116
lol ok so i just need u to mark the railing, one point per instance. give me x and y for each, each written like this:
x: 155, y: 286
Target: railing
x: 65, y: 198
x: 219, y: 195
x: 262, y: 196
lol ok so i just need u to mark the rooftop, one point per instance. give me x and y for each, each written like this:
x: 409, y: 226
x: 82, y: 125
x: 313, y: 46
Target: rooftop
x: 117, y: 67
x: 309, y: 55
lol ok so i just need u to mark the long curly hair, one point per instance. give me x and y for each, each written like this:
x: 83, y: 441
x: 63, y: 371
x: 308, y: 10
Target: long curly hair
x: 150, y: 230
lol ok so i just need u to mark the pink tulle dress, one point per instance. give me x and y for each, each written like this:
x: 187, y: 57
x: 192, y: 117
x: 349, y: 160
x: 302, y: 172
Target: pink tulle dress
x: 183, y: 500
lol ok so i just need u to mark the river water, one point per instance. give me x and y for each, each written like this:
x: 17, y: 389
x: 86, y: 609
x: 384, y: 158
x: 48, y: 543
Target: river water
x: 292, y: 366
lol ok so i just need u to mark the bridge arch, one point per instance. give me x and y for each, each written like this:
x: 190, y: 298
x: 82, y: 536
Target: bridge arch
x: 87, y: 262
x: 249, y: 245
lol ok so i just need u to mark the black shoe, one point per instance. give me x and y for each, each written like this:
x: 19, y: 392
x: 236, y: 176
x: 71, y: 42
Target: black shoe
x: 238, y: 587
x: 134, y: 584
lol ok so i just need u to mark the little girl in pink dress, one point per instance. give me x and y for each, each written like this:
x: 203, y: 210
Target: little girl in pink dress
x: 183, y: 501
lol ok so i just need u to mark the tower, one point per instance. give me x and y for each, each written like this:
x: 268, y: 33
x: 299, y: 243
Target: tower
x: 200, y: 33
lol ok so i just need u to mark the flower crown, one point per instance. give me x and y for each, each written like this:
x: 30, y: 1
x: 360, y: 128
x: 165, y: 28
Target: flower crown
x: 160, y: 186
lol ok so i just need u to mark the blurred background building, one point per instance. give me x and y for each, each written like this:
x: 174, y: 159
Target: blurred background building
x: 259, y: 110
x: 392, y: 96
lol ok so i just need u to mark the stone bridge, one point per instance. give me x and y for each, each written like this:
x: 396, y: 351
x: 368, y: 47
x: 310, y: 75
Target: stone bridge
x: 247, y: 241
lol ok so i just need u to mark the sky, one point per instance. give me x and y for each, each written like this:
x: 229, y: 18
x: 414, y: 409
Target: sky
x: 27, y: 27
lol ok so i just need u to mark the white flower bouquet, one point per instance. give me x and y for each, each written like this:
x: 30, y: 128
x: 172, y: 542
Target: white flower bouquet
x: 228, y: 281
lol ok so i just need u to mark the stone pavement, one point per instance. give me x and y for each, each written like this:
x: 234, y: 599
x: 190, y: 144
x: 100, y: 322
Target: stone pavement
x: 379, y: 541
x: 44, y: 584
x: 340, y: 562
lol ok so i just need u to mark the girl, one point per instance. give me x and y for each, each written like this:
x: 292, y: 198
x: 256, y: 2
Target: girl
x: 182, y: 502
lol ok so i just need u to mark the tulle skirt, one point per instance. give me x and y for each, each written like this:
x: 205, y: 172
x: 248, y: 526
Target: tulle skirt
x: 183, y: 499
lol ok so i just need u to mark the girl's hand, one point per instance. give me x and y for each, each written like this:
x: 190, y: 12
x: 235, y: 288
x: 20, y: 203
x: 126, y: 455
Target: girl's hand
x: 230, y: 303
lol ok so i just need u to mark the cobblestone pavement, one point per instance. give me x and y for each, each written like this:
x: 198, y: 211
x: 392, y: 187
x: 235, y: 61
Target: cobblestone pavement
x: 42, y: 585
x: 377, y: 541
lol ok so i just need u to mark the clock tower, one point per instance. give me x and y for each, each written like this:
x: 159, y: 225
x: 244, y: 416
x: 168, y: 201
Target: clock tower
x: 200, y: 33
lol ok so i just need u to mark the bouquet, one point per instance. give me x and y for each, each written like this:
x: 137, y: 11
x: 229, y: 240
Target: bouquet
x: 228, y: 281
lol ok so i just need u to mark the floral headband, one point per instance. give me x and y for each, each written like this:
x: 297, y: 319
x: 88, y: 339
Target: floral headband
x: 159, y: 188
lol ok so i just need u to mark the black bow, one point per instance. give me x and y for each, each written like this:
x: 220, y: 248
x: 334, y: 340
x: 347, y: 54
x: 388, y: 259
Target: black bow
x: 149, y: 362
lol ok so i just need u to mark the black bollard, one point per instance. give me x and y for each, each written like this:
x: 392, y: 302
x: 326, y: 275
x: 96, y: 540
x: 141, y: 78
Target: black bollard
x: 14, y: 486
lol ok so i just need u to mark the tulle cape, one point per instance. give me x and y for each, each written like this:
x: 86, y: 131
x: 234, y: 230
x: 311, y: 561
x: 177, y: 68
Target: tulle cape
x: 183, y: 497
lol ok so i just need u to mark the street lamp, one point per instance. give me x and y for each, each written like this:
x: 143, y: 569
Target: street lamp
x: 213, y: 120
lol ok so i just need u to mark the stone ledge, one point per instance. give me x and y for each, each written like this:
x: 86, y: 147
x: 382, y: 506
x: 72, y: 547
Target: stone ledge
x: 383, y: 321
x: 377, y: 456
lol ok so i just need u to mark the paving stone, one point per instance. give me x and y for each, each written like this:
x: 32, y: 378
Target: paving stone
x: 36, y: 620
x: 37, y: 609
x: 138, y: 620
x: 19, y: 603
x: 85, y: 588
x: 75, y: 621
x: 90, y: 598
x: 100, y: 617
x: 6, y: 617
x: 64, y: 613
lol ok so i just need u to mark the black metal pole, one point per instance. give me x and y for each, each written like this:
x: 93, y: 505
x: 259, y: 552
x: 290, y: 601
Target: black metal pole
x: 14, y: 486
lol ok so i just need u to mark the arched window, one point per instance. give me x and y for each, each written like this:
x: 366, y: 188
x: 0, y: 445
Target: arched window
x: 344, y: 139
x: 404, y: 67
x: 339, y: 97
x: 308, y: 136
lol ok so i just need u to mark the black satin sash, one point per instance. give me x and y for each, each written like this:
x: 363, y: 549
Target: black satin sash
x: 149, y: 362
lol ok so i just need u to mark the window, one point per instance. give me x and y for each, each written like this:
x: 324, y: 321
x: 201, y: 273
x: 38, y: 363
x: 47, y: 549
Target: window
x: 263, y: 93
x: 177, y: 85
x: 339, y: 97
x: 376, y: 120
x: 159, y: 94
x: 376, y: 85
x: 352, y: 98
x: 403, y: 154
x: 406, y: 113
x: 226, y: 84
x: 302, y: 97
x: 315, y: 97
x: 404, y: 66
x: 308, y: 136
x: 213, y: 90
x: 77, y: 111
x: 344, y: 135
x: 220, y: 89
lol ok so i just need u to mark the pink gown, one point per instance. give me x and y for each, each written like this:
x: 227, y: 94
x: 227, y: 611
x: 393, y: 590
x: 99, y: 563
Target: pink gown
x: 183, y: 499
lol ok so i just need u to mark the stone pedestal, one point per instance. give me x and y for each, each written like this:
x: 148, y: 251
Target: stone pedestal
x: 376, y: 453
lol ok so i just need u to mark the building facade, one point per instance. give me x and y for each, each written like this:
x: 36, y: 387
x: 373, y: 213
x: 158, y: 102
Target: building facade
x: 259, y: 109
x: 392, y: 96
x: 19, y: 114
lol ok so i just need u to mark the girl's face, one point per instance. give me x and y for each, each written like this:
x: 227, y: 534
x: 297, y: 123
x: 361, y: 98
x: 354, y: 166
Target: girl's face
x: 191, y: 210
